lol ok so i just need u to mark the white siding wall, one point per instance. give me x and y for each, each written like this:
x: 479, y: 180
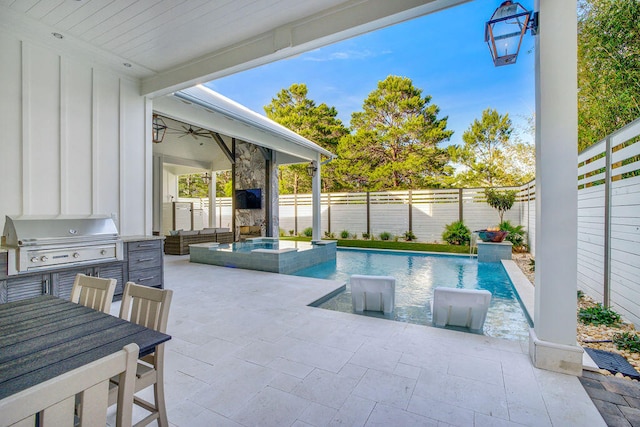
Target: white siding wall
x: 73, y: 138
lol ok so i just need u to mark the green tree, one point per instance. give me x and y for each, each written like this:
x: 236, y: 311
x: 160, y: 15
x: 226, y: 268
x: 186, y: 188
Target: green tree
x: 223, y: 184
x: 192, y: 185
x: 394, y: 141
x: 608, y: 67
x: 520, y: 152
x: 482, y: 156
x: 502, y: 201
x: 318, y: 123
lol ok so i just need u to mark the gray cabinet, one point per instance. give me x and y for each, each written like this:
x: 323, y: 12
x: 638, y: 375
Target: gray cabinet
x: 22, y: 287
x: 145, y: 263
x: 62, y: 281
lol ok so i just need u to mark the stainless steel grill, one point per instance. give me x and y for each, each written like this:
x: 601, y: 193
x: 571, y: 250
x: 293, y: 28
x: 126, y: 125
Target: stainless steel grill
x: 37, y: 244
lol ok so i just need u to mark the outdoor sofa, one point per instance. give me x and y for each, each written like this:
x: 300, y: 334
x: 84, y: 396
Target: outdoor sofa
x: 177, y: 243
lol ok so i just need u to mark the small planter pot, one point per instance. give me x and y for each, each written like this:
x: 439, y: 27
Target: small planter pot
x: 492, y: 236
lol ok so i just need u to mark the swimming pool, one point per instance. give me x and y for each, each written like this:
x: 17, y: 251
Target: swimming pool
x: 416, y: 275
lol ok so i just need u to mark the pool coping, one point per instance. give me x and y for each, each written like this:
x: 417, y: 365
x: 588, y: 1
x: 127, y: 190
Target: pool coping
x: 351, y: 248
x: 524, y: 288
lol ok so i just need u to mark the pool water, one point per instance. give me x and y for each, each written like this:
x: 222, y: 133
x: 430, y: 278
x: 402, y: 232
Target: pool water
x: 416, y: 275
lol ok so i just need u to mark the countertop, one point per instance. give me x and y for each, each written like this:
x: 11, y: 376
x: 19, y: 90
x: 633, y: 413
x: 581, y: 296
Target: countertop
x: 125, y: 239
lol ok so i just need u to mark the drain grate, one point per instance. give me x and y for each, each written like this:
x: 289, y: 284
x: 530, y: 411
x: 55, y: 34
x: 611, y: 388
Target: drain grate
x: 612, y: 362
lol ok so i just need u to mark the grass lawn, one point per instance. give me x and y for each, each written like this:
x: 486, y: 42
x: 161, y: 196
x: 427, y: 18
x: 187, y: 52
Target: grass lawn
x: 388, y: 244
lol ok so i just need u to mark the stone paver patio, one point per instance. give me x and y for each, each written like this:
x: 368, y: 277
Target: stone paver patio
x: 248, y: 351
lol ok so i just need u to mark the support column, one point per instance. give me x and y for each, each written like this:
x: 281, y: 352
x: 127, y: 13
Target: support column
x: 316, y: 185
x: 552, y: 343
x: 212, y: 200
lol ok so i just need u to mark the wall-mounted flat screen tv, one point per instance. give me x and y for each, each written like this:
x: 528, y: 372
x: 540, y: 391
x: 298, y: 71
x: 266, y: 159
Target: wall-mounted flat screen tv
x: 250, y: 198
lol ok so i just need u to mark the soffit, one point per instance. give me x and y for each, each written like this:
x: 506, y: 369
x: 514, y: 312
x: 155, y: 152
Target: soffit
x: 200, y: 106
x: 174, y: 44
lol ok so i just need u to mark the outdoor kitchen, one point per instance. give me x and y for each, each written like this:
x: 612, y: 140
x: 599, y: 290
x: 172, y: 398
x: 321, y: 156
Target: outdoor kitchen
x: 42, y: 256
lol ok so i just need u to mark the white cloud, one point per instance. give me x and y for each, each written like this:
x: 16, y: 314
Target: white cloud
x: 320, y: 56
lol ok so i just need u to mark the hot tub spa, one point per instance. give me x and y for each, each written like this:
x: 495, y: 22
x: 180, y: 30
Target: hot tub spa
x: 264, y: 254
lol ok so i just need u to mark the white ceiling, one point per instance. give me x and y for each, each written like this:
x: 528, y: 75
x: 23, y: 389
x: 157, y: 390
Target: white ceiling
x: 174, y: 44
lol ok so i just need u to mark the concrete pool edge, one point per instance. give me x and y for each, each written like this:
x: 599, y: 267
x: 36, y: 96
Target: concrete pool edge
x: 523, y: 287
x: 406, y: 251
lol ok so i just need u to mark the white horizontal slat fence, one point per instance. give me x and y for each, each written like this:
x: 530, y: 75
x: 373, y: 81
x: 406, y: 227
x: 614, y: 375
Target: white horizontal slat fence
x: 424, y: 212
x: 609, y: 221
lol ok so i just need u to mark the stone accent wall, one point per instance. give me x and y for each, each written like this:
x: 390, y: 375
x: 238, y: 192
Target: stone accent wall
x: 275, y: 199
x: 250, y: 173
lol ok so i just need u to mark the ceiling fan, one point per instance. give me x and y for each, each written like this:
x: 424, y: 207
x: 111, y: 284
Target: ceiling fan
x: 194, y: 132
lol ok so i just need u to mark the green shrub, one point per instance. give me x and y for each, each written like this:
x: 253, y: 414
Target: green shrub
x: 532, y: 265
x: 344, y: 234
x: 308, y: 232
x: 385, y: 235
x: 282, y: 232
x: 516, y: 234
x: 580, y: 293
x: 599, y: 315
x: 291, y: 232
x: 627, y: 341
x: 329, y: 235
x: 365, y: 236
x: 456, y: 233
x: 354, y: 236
x: 409, y: 236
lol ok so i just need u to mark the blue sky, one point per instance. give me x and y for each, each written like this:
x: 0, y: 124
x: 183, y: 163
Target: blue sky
x: 444, y: 54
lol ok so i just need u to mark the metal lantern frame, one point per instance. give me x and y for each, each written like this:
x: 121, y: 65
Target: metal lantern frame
x: 523, y: 18
x: 159, y: 129
x: 206, y: 178
x: 312, y: 168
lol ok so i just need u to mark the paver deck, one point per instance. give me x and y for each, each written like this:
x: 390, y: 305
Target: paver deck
x: 248, y: 351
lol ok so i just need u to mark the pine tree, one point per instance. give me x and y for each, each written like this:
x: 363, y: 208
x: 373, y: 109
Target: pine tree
x: 318, y: 123
x: 394, y: 142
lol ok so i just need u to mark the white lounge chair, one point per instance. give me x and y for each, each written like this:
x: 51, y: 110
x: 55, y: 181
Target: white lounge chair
x: 374, y: 293
x: 466, y: 308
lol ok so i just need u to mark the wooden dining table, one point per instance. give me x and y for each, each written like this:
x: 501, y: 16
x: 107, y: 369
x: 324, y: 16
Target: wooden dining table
x: 43, y: 337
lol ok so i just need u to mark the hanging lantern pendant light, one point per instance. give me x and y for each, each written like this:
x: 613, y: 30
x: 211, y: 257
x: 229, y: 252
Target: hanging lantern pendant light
x: 505, y: 30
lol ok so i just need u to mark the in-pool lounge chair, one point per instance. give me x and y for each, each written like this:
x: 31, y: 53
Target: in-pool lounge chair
x: 373, y: 293
x: 466, y: 308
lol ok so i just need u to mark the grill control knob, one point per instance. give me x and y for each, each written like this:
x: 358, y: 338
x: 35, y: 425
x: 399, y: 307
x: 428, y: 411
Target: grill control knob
x: 76, y: 255
x: 44, y: 258
x: 103, y: 252
x: 34, y: 259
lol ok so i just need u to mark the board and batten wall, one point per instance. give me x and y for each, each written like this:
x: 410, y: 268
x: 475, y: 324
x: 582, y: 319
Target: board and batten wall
x: 74, y: 138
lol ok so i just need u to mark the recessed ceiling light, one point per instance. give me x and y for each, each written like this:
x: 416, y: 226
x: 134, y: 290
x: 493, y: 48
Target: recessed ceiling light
x: 57, y: 35
x: 126, y: 64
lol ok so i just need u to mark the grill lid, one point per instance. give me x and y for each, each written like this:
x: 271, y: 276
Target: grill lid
x: 37, y: 231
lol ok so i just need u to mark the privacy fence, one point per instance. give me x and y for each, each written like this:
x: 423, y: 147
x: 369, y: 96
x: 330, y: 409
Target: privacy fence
x: 423, y: 212
x: 609, y: 221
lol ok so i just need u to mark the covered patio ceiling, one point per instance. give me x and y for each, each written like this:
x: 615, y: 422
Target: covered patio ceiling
x: 222, y: 119
x: 173, y: 45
